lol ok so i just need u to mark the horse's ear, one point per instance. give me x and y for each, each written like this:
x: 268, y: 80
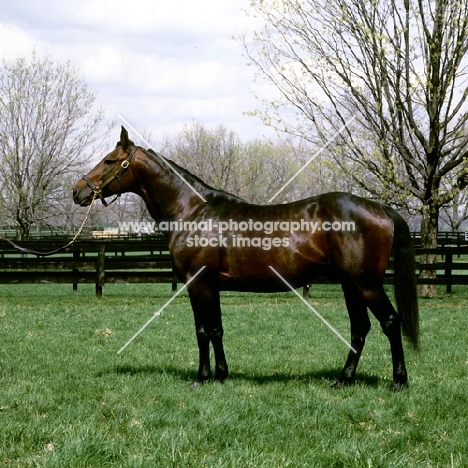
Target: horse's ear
x: 124, y: 141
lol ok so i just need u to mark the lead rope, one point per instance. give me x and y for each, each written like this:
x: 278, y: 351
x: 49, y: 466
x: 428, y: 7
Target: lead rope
x: 51, y: 252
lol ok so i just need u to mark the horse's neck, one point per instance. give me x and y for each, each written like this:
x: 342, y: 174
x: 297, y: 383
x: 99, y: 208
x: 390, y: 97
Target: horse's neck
x: 169, y: 193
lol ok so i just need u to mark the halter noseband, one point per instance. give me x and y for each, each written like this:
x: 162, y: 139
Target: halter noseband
x: 117, y: 174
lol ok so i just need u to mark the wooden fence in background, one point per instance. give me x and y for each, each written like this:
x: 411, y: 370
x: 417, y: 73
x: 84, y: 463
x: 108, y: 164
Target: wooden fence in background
x: 147, y: 260
x: 98, y: 261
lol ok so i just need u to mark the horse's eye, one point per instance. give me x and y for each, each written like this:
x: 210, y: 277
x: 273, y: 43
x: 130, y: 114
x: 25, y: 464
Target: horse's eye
x: 109, y: 161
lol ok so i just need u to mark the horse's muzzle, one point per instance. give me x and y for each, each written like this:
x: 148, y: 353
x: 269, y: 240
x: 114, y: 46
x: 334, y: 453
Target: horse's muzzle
x: 82, y: 196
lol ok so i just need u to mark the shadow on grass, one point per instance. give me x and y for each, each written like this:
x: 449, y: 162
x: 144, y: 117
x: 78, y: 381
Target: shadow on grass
x: 328, y: 375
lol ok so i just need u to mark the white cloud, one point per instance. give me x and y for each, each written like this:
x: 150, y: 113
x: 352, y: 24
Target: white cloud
x: 14, y: 41
x: 160, y: 63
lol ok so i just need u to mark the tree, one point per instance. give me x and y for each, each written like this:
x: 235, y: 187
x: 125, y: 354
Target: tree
x: 266, y: 169
x: 213, y: 155
x: 398, y: 68
x: 253, y: 170
x: 455, y: 213
x: 48, y: 128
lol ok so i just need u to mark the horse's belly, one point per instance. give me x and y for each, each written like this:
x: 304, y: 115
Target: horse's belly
x: 269, y: 277
x: 259, y: 285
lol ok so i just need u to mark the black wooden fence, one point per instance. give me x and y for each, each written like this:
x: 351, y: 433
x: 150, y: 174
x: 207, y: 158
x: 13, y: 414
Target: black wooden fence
x: 147, y: 260
x: 98, y: 261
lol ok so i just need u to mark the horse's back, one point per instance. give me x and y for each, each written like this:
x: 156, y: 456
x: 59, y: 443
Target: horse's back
x: 334, y: 234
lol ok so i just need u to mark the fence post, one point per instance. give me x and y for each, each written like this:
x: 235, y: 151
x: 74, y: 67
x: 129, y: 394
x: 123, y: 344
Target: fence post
x: 100, y: 270
x: 76, y: 258
x: 448, y: 271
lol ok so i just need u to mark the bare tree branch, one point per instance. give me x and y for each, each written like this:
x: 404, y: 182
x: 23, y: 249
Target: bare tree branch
x: 399, y: 67
x: 48, y: 129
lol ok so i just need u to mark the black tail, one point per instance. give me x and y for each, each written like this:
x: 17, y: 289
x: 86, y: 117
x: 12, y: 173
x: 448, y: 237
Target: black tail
x: 405, y: 278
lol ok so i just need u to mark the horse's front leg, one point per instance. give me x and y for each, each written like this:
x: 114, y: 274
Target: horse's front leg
x: 208, y: 327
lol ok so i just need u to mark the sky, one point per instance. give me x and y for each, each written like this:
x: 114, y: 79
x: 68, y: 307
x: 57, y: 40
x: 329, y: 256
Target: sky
x: 160, y: 64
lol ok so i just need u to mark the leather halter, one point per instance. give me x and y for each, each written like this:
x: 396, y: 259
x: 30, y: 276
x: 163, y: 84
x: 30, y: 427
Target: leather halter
x: 97, y: 189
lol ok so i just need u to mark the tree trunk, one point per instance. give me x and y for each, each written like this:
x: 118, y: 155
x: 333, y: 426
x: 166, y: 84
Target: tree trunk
x: 429, y: 229
x: 22, y: 229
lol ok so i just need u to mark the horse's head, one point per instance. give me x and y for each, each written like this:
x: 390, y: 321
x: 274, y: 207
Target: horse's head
x: 108, y: 177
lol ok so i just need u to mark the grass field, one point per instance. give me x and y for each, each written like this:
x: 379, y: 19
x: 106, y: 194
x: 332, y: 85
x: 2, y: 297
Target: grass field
x: 68, y: 400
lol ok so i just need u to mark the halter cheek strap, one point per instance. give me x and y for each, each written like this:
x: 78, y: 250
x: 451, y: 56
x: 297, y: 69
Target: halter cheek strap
x: 97, y: 189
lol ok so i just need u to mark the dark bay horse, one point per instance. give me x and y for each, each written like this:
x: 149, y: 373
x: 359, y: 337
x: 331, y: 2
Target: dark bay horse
x: 337, y: 235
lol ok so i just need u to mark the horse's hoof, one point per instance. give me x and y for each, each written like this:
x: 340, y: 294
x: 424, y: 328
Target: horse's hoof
x: 398, y: 386
x: 221, y: 377
x: 340, y: 384
x: 196, y: 384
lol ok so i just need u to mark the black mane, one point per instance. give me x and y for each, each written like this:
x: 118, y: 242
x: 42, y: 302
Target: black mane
x: 188, y: 175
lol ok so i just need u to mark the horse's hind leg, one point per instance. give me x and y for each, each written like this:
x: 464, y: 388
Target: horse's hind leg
x: 360, y: 326
x: 217, y: 332
x: 389, y: 320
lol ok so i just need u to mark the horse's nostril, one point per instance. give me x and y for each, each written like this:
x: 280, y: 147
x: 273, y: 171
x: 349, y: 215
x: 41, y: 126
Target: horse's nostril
x: 75, y: 193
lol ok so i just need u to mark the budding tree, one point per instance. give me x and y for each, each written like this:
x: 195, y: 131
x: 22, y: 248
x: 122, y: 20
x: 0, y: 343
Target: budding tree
x: 253, y: 170
x: 398, y: 68
x: 48, y: 128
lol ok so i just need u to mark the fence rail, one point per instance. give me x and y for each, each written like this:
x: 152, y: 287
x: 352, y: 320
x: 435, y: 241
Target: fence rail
x: 147, y: 260
x: 126, y: 260
x: 444, y: 238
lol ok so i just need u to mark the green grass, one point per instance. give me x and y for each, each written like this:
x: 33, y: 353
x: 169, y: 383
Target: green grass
x: 68, y: 400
